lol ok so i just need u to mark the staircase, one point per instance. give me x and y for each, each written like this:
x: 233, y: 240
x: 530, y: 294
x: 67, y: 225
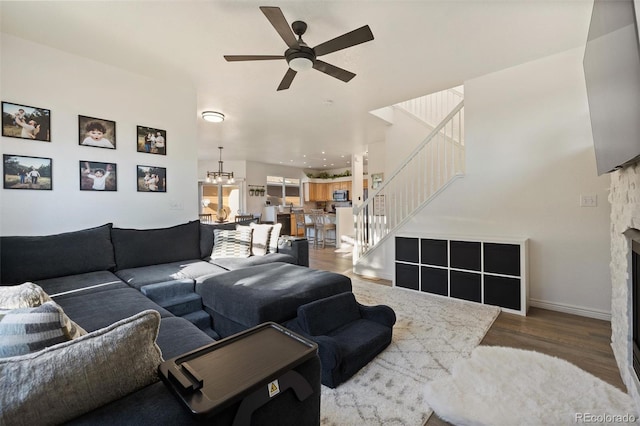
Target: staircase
x: 430, y: 168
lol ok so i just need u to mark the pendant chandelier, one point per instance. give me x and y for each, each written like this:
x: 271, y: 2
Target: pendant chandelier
x: 220, y: 175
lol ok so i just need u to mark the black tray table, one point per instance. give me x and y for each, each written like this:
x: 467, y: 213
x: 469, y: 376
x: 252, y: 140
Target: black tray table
x: 253, y: 366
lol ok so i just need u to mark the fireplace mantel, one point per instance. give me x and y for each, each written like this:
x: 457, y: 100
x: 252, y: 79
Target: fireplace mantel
x: 624, y: 197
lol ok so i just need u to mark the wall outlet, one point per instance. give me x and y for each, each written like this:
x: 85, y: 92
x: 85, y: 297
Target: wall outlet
x: 590, y: 200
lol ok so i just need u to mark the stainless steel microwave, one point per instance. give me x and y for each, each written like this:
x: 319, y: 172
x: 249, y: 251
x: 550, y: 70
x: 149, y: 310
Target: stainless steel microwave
x: 340, y: 195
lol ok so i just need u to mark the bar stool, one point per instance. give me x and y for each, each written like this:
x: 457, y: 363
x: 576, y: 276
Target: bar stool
x: 322, y: 228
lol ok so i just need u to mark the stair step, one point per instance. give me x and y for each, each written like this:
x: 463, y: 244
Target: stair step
x: 168, y: 290
x: 183, y: 304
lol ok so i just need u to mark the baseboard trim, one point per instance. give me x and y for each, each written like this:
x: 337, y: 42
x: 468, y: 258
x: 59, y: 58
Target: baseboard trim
x: 372, y: 273
x: 571, y: 309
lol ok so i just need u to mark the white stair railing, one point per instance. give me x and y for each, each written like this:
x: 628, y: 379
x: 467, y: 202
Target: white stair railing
x: 432, y: 108
x: 427, y: 170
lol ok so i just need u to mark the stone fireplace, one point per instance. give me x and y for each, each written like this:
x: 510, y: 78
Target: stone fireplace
x: 625, y: 229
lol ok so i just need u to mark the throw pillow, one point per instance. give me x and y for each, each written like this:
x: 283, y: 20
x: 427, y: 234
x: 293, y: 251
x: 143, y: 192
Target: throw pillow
x: 26, y: 295
x: 30, y: 295
x: 26, y: 330
x: 273, y: 238
x: 67, y: 380
x: 231, y: 243
x: 260, y: 239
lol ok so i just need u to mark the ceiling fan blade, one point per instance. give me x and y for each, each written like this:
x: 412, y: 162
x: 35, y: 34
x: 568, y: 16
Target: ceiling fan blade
x: 279, y: 22
x: 288, y: 78
x: 333, y: 71
x: 361, y: 35
x: 233, y: 58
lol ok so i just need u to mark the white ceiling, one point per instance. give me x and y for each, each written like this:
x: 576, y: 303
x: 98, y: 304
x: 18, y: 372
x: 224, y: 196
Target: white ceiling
x: 420, y: 47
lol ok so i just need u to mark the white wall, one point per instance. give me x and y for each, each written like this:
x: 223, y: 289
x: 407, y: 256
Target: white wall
x: 529, y: 158
x: 69, y: 86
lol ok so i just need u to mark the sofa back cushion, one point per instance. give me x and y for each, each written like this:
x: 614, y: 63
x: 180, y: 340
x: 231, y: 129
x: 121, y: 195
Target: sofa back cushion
x: 144, y: 247
x: 325, y: 315
x: 26, y: 258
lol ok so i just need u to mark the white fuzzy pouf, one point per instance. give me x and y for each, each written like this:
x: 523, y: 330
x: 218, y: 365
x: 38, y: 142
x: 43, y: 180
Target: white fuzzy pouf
x: 506, y: 386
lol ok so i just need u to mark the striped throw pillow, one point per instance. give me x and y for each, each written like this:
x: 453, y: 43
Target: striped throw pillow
x: 27, y: 330
x: 273, y: 238
x: 231, y: 243
x: 260, y: 238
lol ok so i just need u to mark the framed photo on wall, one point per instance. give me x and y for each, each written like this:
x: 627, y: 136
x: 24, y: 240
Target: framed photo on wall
x: 22, y: 172
x: 151, y: 141
x: 96, y: 176
x: 26, y: 122
x: 152, y: 179
x: 96, y: 132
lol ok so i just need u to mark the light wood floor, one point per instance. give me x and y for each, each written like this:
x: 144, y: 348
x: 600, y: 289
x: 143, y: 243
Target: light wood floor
x: 582, y: 341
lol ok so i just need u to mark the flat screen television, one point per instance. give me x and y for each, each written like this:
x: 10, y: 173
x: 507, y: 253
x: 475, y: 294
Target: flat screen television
x: 612, y: 75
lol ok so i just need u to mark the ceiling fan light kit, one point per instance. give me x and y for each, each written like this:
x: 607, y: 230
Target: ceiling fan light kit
x: 301, y: 57
x: 213, y: 116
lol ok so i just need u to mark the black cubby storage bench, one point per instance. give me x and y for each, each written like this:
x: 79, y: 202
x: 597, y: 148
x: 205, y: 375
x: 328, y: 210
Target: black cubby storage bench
x: 492, y: 271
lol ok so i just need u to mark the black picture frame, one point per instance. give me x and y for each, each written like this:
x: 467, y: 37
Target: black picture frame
x: 150, y: 140
x: 151, y: 179
x: 25, y: 172
x: 96, y: 132
x: 12, y: 127
x: 98, y: 176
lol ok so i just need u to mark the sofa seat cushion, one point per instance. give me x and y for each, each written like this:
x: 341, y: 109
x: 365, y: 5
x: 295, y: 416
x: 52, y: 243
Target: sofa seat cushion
x: 271, y: 292
x: 88, y: 283
x: 143, y: 247
x: 239, y: 263
x: 26, y: 258
x: 101, y: 309
x: 174, y: 271
x: 152, y: 405
x: 178, y: 336
x: 360, y: 341
x: 156, y: 405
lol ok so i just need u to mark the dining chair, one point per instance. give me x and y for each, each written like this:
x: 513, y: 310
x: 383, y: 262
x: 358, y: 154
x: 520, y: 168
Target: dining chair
x: 243, y: 217
x: 206, y: 217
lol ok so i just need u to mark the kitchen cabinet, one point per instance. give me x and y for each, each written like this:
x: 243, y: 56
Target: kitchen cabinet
x: 319, y: 192
x: 323, y: 191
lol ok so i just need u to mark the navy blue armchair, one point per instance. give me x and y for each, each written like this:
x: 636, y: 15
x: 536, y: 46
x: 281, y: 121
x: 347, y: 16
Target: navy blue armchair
x: 349, y: 335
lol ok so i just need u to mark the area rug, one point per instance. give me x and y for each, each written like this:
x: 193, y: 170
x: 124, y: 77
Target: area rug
x: 430, y: 334
x: 506, y: 386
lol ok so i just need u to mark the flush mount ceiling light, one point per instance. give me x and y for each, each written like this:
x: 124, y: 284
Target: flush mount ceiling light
x: 213, y: 116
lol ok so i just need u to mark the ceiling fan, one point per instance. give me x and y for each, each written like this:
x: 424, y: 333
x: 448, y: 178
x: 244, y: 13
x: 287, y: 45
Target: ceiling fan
x: 299, y: 55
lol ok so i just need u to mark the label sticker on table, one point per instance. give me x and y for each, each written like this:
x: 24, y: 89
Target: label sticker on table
x: 274, y: 388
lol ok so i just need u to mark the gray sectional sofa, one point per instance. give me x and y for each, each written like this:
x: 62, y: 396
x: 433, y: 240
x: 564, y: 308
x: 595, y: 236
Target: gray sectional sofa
x: 106, y: 274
